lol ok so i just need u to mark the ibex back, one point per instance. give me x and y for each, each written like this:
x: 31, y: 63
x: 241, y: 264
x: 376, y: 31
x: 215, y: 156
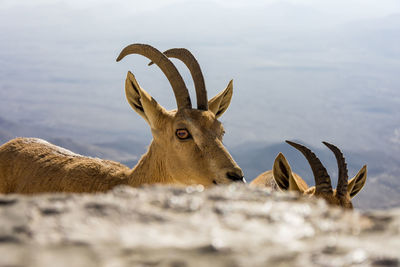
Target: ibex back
x: 186, y: 147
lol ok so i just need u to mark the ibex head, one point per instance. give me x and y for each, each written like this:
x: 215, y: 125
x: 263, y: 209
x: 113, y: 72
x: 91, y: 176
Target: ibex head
x: 189, y: 140
x: 345, y: 190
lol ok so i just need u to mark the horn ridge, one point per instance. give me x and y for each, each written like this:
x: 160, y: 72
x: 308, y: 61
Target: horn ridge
x: 321, y: 176
x: 341, y: 188
x: 168, y: 68
x: 194, y: 67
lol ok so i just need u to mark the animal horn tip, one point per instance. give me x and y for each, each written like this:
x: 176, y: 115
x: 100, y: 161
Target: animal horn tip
x: 290, y: 142
x: 332, y: 147
x: 328, y: 144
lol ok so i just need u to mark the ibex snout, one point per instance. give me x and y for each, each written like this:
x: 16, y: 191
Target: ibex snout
x: 236, y: 175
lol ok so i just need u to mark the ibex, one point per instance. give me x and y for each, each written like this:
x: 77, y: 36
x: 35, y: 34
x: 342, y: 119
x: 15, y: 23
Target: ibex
x: 282, y: 177
x: 186, y: 147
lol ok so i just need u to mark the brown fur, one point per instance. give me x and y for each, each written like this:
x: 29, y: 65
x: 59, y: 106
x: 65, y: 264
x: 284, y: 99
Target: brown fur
x: 266, y: 179
x: 43, y: 167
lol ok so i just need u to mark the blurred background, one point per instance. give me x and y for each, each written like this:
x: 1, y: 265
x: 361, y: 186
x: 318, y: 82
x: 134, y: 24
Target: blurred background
x: 305, y: 70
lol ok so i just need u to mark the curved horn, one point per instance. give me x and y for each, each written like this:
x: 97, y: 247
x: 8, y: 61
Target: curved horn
x: 322, y: 180
x: 169, y: 69
x: 191, y: 63
x: 341, y: 188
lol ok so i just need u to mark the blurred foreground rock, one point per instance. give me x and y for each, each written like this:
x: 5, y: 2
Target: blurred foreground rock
x: 222, y: 226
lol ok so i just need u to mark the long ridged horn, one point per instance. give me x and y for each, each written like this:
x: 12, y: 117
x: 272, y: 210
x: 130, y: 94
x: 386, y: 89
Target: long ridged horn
x: 322, y: 180
x: 191, y: 63
x: 341, y: 188
x: 167, y: 67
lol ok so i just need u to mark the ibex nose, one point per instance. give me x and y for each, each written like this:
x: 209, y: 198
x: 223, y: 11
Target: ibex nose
x: 236, y: 176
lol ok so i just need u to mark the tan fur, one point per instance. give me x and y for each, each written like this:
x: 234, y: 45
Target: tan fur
x: 282, y: 177
x: 30, y: 165
x: 266, y: 179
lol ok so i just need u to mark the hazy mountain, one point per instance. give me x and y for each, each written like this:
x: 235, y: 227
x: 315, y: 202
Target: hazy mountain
x: 125, y: 150
x: 4, y: 136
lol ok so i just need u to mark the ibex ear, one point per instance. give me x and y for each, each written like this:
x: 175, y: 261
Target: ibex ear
x: 357, y: 182
x: 220, y: 103
x: 142, y: 102
x: 283, y: 174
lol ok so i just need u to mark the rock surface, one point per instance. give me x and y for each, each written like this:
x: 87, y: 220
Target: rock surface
x: 223, y: 226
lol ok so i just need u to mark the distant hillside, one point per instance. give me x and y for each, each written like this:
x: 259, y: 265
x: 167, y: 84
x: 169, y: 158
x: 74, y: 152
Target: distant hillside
x: 4, y: 136
x: 113, y: 150
x: 126, y: 151
x: 10, y: 129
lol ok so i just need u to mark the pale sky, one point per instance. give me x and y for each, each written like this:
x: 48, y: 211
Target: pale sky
x: 345, y: 9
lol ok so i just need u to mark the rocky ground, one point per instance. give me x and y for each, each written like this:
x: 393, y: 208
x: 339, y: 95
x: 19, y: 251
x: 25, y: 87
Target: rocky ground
x: 223, y: 226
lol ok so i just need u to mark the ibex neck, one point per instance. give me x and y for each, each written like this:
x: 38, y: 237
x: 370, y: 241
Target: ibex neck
x: 151, y: 168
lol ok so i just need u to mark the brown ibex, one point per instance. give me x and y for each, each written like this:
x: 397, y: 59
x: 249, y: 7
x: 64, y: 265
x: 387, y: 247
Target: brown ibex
x: 282, y: 177
x: 186, y: 147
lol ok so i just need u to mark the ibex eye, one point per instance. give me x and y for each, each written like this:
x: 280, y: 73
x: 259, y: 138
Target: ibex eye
x: 182, y: 134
